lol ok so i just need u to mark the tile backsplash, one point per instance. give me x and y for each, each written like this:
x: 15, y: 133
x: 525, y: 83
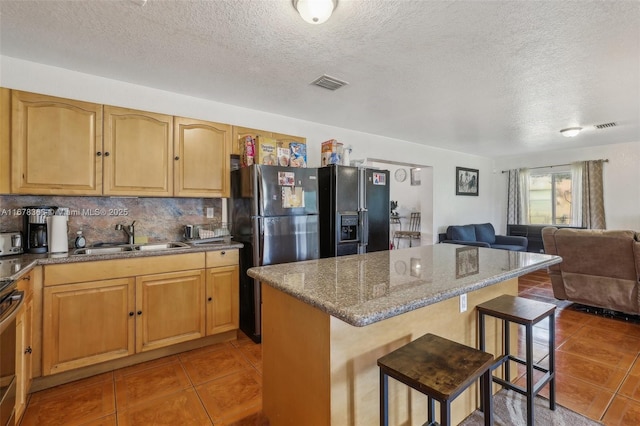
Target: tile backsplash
x: 158, y: 219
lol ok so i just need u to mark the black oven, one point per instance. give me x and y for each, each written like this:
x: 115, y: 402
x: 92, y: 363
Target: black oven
x: 10, y: 301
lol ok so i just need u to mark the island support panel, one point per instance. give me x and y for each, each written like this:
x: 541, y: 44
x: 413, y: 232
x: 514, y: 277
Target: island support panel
x: 319, y: 370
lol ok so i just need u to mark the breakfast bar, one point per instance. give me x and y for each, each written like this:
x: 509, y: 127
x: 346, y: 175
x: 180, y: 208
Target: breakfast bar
x: 326, y: 322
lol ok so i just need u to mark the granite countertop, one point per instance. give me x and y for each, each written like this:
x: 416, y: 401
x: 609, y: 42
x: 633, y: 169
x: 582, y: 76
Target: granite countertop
x: 11, y: 267
x: 363, y: 289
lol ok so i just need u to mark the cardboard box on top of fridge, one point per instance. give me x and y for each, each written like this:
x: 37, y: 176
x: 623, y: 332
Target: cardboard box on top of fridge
x: 298, y: 154
x: 248, y: 151
x: 266, y: 151
x: 283, y: 156
x: 331, y: 152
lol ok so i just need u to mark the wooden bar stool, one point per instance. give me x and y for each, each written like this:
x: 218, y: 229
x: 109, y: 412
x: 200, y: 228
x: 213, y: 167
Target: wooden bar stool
x: 528, y: 313
x: 441, y: 370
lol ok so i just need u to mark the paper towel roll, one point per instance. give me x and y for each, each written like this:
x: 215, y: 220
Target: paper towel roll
x: 57, y: 234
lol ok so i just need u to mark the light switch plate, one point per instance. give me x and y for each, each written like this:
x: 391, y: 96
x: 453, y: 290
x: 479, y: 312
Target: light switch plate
x: 209, y: 212
x: 463, y: 302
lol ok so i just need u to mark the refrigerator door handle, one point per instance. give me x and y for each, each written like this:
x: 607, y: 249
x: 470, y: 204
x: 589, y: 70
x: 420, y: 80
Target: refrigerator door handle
x: 364, y: 228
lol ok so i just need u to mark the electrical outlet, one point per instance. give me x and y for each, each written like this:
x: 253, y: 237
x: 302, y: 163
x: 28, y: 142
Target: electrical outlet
x: 463, y: 302
x: 209, y: 212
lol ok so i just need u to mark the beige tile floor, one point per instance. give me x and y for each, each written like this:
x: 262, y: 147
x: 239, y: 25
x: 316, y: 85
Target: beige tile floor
x: 597, y: 362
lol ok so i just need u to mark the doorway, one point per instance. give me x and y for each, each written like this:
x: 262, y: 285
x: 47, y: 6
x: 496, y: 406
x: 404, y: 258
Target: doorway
x: 411, y: 187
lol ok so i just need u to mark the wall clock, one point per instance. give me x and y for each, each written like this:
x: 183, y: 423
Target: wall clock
x: 401, y: 175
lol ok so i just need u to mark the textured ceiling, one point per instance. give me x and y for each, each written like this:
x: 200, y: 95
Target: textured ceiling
x: 490, y: 78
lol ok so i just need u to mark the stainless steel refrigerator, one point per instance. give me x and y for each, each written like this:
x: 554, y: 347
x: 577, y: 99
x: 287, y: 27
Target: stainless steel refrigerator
x: 274, y: 213
x: 354, y: 210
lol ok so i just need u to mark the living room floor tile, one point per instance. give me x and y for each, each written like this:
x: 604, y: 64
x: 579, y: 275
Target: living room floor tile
x: 602, y: 352
x: 622, y: 412
x: 580, y: 396
x: 588, y: 370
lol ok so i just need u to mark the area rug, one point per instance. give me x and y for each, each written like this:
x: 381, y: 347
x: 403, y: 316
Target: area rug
x: 510, y: 409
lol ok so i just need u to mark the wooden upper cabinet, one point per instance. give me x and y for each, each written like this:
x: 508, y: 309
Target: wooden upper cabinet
x: 201, y: 156
x: 5, y: 141
x: 137, y: 152
x: 55, y: 145
x: 240, y: 132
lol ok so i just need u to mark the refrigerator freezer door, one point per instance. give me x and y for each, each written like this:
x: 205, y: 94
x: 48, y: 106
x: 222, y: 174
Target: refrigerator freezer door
x: 286, y: 191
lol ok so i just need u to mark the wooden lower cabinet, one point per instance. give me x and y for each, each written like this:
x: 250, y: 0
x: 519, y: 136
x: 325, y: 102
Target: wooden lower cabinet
x: 169, y: 309
x: 87, y: 323
x: 222, y: 299
x: 111, y: 315
x: 24, y: 346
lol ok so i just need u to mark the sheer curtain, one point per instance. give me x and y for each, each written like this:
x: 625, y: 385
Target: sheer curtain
x: 518, y: 197
x: 576, y: 193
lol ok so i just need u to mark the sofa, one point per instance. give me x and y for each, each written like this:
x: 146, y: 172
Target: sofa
x: 482, y: 235
x: 599, y: 267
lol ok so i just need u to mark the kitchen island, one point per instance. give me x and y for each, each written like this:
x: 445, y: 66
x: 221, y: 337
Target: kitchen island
x: 327, y: 321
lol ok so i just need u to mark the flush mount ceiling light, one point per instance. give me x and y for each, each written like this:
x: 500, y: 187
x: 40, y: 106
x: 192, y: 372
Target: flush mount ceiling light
x: 570, y: 132
x: 315, y: 11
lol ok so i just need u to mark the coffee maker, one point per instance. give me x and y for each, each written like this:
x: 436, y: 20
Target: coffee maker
x: 35, y: 228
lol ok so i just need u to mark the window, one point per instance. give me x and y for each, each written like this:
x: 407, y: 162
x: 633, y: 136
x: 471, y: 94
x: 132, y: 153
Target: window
x: 550, y: 198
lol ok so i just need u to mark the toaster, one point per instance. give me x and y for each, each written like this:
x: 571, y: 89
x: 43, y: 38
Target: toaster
x: 10, y: 243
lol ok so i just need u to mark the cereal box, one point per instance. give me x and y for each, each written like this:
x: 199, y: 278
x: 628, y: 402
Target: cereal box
x: 298, y: 156
x: 266, y: 151
x: 331, y: 152
x: 283, y: 156
x: 248, y: 150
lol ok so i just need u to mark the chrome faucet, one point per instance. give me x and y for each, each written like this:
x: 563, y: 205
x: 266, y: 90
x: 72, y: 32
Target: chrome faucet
x: 129, y: 230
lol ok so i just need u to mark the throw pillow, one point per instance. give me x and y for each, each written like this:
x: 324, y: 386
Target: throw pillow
x: 463, y: 233
x: 486, y: 233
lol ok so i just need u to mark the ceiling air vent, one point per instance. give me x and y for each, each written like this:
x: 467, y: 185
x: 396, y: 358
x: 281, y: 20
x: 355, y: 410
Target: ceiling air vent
x: 605, y: 125
x: 330, y: 83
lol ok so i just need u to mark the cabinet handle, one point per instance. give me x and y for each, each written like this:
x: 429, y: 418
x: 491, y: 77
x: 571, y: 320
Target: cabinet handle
x: 98, y: 153
x: 176, y: 158
x: 27, y: 278
x: 28, y: 350
x: 106, y: 154
x: 222, y: 253
x: 139, y: 312
x: 210, y: 299
x: 131, y: 314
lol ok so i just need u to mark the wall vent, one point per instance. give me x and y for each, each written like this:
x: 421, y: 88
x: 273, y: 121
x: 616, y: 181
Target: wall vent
x: 328, y: 82
x: 605, y: 125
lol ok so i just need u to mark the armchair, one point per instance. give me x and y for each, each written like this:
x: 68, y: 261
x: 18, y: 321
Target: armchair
x: 482, y: 235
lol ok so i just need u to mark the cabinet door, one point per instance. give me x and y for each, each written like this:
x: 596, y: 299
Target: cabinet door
x: 201, y: 150
x: 56, y: 145
x: 24, y: 363
x: 288, y: 138
x: 169, y: 308
x: 5, y: 141
x: 87, y: 323
x: 138, y: 153
x: 222, y: 299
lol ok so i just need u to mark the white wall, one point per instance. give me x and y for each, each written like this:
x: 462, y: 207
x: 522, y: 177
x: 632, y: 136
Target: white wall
x: 449, y: 209
x: 621, y: 178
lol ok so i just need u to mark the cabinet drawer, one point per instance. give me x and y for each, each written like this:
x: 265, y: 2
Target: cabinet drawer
x: 222, y: 258
x: 118, y: 268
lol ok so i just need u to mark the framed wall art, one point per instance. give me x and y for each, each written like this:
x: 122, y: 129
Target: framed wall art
x: 467, y: 181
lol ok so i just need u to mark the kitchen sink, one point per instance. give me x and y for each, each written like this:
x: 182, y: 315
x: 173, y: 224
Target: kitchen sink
x: 103, y: 250
x: 160, y: 246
